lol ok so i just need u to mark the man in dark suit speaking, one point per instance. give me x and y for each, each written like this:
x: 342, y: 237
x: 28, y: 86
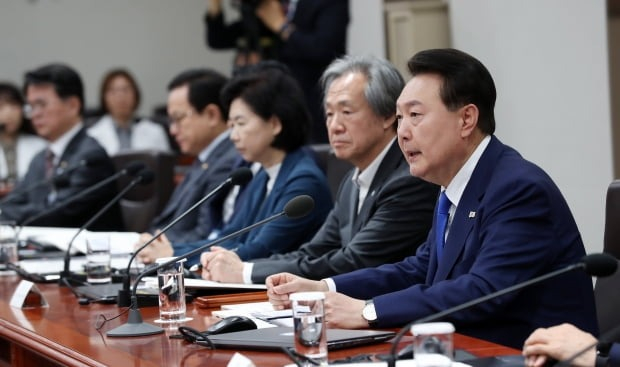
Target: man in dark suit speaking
x: 381, y: 213
x: 55, y: 102
x: 500, y: 221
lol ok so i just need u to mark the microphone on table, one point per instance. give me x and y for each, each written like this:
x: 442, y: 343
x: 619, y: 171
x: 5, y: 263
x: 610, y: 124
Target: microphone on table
x: 144, y: 177
x: 297, y: 207
x: 598, y: 265
x: 131, y: 169
x: 56, y: 180
x: 241, y: 176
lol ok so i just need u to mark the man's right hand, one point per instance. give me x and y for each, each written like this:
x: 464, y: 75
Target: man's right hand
x: 221, y: 265
x: 559, y: 342
x: 161, y: 247
x: 279, y: 286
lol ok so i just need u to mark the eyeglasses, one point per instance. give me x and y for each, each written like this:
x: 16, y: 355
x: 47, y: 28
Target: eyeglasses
x: 176, y: 118
x: 32, y: 108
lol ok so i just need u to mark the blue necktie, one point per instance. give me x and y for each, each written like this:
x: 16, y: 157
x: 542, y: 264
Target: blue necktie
x: 443, y: 210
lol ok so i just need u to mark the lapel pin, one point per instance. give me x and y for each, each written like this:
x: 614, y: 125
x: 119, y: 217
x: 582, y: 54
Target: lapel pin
x: 472, y: 214
x: 205, y: 165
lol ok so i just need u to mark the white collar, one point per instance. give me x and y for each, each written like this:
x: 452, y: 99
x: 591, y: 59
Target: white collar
x: 364, y: 179
x: 456, y: 187
x: 58, y: 147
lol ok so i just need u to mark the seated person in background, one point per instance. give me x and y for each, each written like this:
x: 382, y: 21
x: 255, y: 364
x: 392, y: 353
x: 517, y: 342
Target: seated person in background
x: 269, y: 125
x: 502, y: 219
x: 395, y: 209
x: 55, y: 100
x: 17, y: 137
x: 563, y: 342
x: 119, y: 129
x: 198, y: 123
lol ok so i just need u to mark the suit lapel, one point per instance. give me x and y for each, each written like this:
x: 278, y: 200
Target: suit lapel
x: 178, y: 196
x: 69, y: 151
x: 194, y: 175
x: 390, y: 162
x: 466, y: 213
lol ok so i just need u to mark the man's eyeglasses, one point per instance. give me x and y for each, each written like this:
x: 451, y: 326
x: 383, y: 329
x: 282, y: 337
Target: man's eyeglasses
x: 30, y: 109
x: 176, y: 118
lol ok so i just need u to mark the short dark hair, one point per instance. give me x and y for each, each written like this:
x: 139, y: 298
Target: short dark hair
x: 204, y: 87
x: 107, y: 80
x: 273, y: 93
x: 9, y: 93
x: 465, y: 80
x: 66, y: 81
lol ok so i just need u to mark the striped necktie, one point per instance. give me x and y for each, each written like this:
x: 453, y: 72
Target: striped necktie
x: 49, y: 163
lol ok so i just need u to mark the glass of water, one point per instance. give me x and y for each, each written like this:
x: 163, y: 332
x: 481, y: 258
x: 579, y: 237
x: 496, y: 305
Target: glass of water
x: 432, y: 344
x: 8, y: 246
x: 171, y: 285
x: 309, y: 323
x: 98, y: 269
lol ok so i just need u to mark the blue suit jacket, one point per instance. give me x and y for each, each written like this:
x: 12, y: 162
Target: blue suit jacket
x: 512, y: 224
x: 298, y: 175
x: 200, y: 181
x: 614, y: 355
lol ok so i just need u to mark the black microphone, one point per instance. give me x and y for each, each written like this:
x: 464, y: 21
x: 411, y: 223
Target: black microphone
x: 297, y: 207
x: 60, y: 180
x: 241, y: 176
x: 131, y: 169
x: 144, y: 177
x: 598, y: 265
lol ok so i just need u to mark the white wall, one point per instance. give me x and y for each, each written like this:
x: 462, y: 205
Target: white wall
x: 549, y: 61
x: 155, y: 39
x: 366, y: 30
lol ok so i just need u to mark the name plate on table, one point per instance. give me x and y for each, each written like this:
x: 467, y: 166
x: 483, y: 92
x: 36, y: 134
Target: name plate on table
x: 27, y: 295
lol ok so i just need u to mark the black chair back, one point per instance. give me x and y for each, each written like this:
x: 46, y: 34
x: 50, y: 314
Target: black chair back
x: 335, y: 169
x: 142, y: 203
x: 607, y: 290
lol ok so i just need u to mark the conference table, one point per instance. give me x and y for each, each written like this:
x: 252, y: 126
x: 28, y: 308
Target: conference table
x: 64, y: 334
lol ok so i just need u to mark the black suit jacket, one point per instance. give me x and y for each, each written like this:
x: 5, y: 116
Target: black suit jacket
x: 393, y: 221
x: 22, y: 206
x: 201, y: 180
x: 320, y: 36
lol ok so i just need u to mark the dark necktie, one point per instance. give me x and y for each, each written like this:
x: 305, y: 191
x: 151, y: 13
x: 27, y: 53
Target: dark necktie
x: 443, y: 212
x: 49, y: 163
